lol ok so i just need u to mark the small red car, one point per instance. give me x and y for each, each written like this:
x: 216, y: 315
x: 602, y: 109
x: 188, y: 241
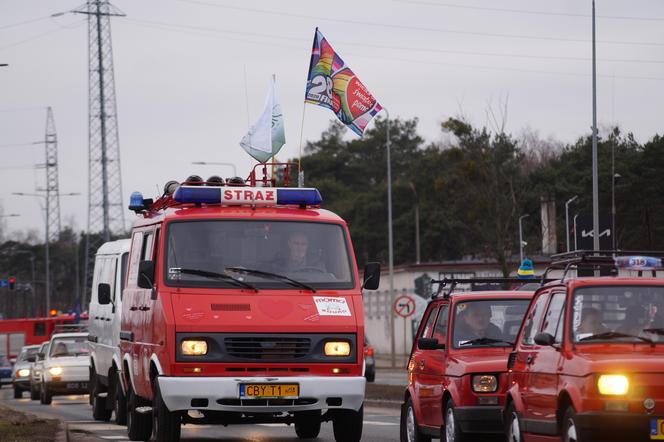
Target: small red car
x: 589, y: 363
x: 458, y: 366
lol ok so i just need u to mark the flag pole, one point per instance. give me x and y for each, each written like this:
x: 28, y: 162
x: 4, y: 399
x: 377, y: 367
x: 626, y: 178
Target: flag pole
x: 390, y: 241
x: 274, y: 84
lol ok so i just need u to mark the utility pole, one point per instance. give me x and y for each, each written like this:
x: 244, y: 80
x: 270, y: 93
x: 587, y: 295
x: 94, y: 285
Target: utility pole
x: 595, y: 178
x: 105, y: 208
x: 417, y: 224
x: 52, y: 189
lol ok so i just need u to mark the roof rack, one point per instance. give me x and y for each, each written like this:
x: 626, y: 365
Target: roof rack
x: 71, y: 328
x: 606, y: 259
x: 451, y: 283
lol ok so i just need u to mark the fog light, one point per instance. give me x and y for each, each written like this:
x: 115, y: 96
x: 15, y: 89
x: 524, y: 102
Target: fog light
x: 24, y: 372
x: 613, y: 384
x: 337, y: 348
x: 55, y: 371
x: 194, y: 348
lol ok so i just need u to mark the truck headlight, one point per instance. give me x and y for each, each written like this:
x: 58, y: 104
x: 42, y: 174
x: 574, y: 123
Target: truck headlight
x: 23, y: 373
x: 485, y: 383
x: 191, y: 347
x: 55, y: 371
x: 337, y: 348
x: 613, y: 384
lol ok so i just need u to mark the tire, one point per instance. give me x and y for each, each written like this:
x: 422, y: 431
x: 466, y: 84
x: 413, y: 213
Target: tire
x: 45, y: 396
x: 166, y: 424
x: 120, y: 402
x: 347, y: 425
x: 91, y: 385
x: 99, y: 410
x: 370, y: 375
x: 571, y: 427
x: 409, y: 428
x: 513, y: 429
x: 18, y: 393
x: 139, y: 425
x: 451, y: 431
x: 307, y: 424
x: 34, y: 393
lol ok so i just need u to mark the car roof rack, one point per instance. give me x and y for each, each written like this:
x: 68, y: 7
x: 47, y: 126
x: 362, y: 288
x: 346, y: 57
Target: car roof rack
x: 71, y: 328
x: 606, y: 259
x: 451, y: 283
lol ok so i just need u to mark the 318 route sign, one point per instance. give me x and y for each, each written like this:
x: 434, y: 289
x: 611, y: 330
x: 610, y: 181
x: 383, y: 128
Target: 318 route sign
x: 404, y: 306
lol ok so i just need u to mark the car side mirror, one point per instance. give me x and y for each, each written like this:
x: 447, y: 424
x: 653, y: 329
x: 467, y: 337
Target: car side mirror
x: 40, y: 356
x: 31, y: 359
x: 429, y: 344
x: 544, y: 339
x: 146, y: 274
x: 104, y: 293
x: 371, y: 276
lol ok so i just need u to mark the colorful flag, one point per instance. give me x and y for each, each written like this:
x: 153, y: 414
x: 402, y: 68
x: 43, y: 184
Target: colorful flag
x: 333, y: 85
x: 266, y: 137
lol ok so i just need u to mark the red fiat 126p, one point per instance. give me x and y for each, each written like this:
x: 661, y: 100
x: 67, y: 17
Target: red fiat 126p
x: 242, y: 305
x: 457, y: 373
x: 589, y: 360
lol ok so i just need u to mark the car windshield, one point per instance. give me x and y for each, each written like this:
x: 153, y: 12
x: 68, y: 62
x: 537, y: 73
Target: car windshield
x: 258, y: 253
x: 27, y: 353
x: 4, y: 361
x: 488, y: 322
x: 69, y: 346
x: 633, y: 314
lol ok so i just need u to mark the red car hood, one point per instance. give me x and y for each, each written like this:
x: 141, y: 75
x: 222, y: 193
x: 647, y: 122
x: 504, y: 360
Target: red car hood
x: 486, y: 360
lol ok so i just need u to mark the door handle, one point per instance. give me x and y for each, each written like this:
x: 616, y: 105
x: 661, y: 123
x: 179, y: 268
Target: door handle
x: 529, y: 359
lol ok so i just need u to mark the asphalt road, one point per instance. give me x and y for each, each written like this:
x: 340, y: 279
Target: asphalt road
x: 380, y: 425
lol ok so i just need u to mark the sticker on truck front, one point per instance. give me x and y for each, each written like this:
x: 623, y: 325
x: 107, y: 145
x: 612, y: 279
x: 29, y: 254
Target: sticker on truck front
x: 329, y: 306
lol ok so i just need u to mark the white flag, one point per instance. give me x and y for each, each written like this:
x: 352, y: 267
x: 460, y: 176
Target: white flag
x: 266, y: 137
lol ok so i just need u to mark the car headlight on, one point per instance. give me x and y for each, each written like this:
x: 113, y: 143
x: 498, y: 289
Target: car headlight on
x: 55, y: 371
x: 337, y: 348
x: 485, y: 383
x: 23, y: 372
x: 191, y: 347
x: 613, y: 384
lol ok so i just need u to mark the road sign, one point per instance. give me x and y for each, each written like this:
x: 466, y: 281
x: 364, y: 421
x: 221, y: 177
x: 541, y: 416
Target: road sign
x: 3, y: 283
x: 404, y: 306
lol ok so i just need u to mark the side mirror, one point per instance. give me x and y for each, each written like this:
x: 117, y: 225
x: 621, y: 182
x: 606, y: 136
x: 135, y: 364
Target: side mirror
x: 371, y: 276
x: 429, y: 344
x: 146, y: 274
x: 40, y: 356
x: 104, y: 293
x: 544, y: 339
x: 31, y: 358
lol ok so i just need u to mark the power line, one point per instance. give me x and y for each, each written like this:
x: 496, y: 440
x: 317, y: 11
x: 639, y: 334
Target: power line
x: 19, y: 144
x: 38, y: 36
x: 405, y: 48
x: 410, y: 28
x: 526, y: 11
x: 33, y: 20
x: 397, y: 59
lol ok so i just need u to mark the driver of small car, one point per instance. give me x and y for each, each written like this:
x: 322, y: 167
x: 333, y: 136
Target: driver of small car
x: 591, y: 323
x: 60, y: 349
x: 475, y: 322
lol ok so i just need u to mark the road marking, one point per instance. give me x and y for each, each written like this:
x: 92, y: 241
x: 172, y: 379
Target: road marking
x: 122, y: 438
x: 272, y: 425
x: 386, y: 424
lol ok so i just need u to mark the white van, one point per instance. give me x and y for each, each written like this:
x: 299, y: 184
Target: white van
x: 106, y: 395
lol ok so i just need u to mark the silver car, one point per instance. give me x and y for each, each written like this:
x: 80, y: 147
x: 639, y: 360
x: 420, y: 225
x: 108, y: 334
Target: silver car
x: 37, y: 368
x: 23, y: 369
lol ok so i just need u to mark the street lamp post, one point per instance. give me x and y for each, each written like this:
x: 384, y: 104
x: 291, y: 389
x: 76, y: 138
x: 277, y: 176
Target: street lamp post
x: 614, y: 177
x: 521, y: 235
x: 569, y: 201
x: 417, y: 224
x: 46, y: 246
x: 594, y: 143
x: 576, y: 247
x: 214, y: 163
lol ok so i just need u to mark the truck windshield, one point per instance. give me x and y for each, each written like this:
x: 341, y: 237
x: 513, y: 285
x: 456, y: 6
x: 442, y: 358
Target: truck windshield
x: 312, y: 254
x: 488, y: 322
x: 633, y: 314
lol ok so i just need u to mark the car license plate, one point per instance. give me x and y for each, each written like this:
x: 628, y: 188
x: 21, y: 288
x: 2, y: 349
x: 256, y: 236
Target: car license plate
x: 269, y: 391
x: 657, y: 429
x: 73, y: 385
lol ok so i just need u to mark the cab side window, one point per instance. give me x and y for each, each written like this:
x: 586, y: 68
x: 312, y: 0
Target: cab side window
x: 553, y: 316
x: 534, y: 319
x: 135, y: 258
x: 146, y: 253
x: 440, y: 330
x: 428, y: 326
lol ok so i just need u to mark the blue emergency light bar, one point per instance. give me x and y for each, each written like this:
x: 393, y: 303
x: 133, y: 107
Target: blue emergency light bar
x: 136, y: 202
x: 638, y: 262
x: 260, y: 196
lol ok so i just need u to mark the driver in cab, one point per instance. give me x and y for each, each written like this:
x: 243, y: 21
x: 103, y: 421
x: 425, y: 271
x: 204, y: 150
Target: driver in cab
x: 474, y: 322
x: 298, y: 255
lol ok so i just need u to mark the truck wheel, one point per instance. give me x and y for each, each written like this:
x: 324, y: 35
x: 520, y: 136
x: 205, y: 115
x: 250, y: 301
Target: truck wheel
x: 91, y: 385
x: 99, y: 410
x: 451, y: 432
x: 166, y: 425
x: 512, y: 425
x: 18, y: 393
x: 139, y: 425
x: 410, y: 430
x: 45, y: 396
x: 571, y: 430
x: 120, y: 403
x: 347, y: 425
x: 34, y: 393
x: 307, y: 424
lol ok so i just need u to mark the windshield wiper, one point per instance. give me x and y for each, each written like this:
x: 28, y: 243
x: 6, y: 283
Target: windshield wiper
x: 270, y: 275
x: 614, y: 334
x: 485, y: 340
x: 215, y: 275
x: 657, y: 330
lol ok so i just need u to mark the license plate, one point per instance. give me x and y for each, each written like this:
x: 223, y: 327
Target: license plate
x: 269, y: 391
x: 657, y: 429
x: 73, y: 385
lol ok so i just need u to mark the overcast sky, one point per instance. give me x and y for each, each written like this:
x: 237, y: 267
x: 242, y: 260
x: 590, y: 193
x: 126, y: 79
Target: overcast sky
x: 180, y: 77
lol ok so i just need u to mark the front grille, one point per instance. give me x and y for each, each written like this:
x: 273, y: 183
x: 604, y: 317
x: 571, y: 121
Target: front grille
x: 268, y: 347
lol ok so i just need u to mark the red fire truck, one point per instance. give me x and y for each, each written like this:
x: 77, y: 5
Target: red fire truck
x: 15, y: 333
x: 242, y: 305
